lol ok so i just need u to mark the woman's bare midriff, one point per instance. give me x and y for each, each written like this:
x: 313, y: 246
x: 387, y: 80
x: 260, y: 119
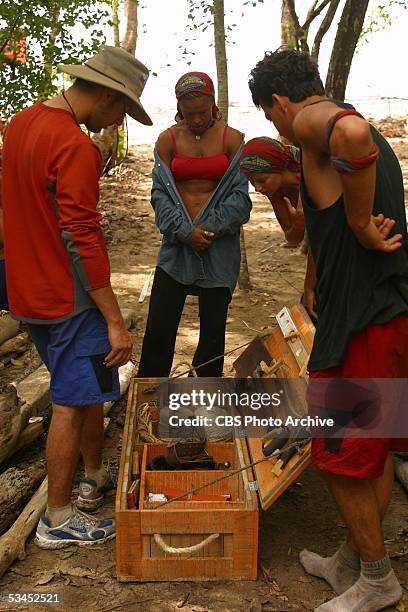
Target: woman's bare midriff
x: 195, y: 194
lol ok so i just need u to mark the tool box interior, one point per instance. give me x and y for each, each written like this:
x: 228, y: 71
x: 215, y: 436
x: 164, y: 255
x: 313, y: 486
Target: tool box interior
x: 226, y: 493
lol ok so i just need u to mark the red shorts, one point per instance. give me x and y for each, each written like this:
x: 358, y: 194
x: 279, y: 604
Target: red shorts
x: 379, y: 351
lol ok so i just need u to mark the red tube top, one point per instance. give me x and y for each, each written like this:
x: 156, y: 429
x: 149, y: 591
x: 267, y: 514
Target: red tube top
x: 212, y: 168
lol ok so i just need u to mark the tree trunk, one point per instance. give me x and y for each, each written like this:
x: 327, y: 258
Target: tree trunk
x: 244, y: 281
x: 221, y: 57
x: 324, y: 26
x: 289, y: 25
x: 115, y: 22
x: 348, y: 33
x: 108, y: 140
x: 130, y: 37
x: 222, y: 83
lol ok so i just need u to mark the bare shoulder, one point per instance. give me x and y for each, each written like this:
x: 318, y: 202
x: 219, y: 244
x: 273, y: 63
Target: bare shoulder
x: 235, y: 139
x: 164, y: 146
x: 164, y: 138
x: 309, y: 127
x: 234, y: 135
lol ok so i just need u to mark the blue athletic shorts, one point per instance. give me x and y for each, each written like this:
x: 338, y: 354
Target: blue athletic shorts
x: 73, y: 352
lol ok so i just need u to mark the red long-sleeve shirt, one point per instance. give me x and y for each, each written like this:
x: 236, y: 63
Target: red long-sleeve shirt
x: 54, y: 247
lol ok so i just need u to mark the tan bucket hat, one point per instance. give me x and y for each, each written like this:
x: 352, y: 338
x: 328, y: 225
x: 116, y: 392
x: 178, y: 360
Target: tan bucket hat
x: 119, y: 70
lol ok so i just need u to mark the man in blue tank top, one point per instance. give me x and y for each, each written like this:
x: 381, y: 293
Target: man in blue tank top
x: 353, y: 201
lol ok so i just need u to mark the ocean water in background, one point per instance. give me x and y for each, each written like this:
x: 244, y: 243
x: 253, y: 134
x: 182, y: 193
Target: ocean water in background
x: 251, y: 121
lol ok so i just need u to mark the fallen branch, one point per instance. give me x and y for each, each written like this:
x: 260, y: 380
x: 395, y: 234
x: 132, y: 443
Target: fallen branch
x: 16, y: 488
x: 18, y: 344
x: 30, y: 433
x: 13, y: 420
x: 8, y: 328
x: 12, y: 543
x: 401, y: 470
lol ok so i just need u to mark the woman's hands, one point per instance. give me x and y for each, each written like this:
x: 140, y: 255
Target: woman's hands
x: 201, y: 240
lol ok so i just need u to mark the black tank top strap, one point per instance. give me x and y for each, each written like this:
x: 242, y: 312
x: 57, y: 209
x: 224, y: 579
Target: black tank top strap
x: 333, y: 120
x: 174, y: 141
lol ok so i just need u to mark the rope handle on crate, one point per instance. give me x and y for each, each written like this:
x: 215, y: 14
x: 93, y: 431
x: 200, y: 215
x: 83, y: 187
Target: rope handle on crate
x: 187, y: 549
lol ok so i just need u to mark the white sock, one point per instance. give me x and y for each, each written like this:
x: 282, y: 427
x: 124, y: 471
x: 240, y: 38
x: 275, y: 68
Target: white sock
x: 341, y: 570
x: 366, y: 595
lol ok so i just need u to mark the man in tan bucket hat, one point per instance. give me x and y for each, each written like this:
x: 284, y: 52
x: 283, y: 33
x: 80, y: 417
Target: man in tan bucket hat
x: 58, y: 276
x: 115, y: 69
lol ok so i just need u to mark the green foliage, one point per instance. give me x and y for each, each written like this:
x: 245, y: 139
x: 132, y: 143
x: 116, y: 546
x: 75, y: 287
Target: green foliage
x: 200, y: 14
x: 381, y: 17
x: 122, y: 143
x: 56, y: 31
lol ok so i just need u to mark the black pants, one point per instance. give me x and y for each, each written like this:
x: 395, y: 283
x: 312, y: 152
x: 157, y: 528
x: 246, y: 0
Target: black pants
x: 165, y: 310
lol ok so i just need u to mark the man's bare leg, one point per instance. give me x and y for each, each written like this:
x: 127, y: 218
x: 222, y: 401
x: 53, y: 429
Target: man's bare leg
x: 97, y: 480
x: 383, y: 491
x: 358, y: 505
x: 362, y: 505
x: 62, y: 453
x: 383, y: 486
x: 92, y: 437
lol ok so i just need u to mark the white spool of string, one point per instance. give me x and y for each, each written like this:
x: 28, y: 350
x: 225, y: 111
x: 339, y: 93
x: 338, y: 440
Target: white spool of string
x: 213, y: 431
x: 166, y: 431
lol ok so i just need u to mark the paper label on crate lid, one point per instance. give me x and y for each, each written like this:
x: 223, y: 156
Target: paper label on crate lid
x: 156, y: 497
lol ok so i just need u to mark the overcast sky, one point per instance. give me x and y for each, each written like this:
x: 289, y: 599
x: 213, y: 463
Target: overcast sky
x: 378, y: 68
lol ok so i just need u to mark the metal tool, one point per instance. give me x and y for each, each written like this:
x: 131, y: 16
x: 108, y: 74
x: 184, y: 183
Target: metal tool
x: 278, y: 441
x: 302, y: 436
x: 294, y: 339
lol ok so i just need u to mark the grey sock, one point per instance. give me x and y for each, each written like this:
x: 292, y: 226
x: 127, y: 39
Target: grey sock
x: 100, y: 475
x: 58, y: 516
x: 349, y: 555
x: 375, y: 570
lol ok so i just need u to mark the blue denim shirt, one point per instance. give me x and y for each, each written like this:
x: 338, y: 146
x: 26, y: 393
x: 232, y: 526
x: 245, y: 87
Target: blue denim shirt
x: 226, y: 210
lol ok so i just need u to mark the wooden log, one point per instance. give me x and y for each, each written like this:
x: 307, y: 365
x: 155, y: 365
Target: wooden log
x: 13, y: 420
x: 401, y: 470
x: 12, y: 543
x: 35, y: 390
x: 30, y: 433
x: 129, y: 316
x: 18, y: 344
x: 16, y: 488
x: 8, y: 328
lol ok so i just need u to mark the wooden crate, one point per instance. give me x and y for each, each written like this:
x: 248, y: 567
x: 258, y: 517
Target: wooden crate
x: 180, y: 524
x: 233, y: 554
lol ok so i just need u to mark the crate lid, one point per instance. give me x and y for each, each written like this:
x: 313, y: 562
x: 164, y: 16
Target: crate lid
x: 288, y: 347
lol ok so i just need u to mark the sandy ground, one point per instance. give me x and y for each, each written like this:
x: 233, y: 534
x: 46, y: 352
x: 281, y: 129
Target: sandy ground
x: 304, y: 517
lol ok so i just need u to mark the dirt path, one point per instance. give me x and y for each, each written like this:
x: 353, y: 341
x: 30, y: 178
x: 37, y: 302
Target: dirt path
x: 304, y: 517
